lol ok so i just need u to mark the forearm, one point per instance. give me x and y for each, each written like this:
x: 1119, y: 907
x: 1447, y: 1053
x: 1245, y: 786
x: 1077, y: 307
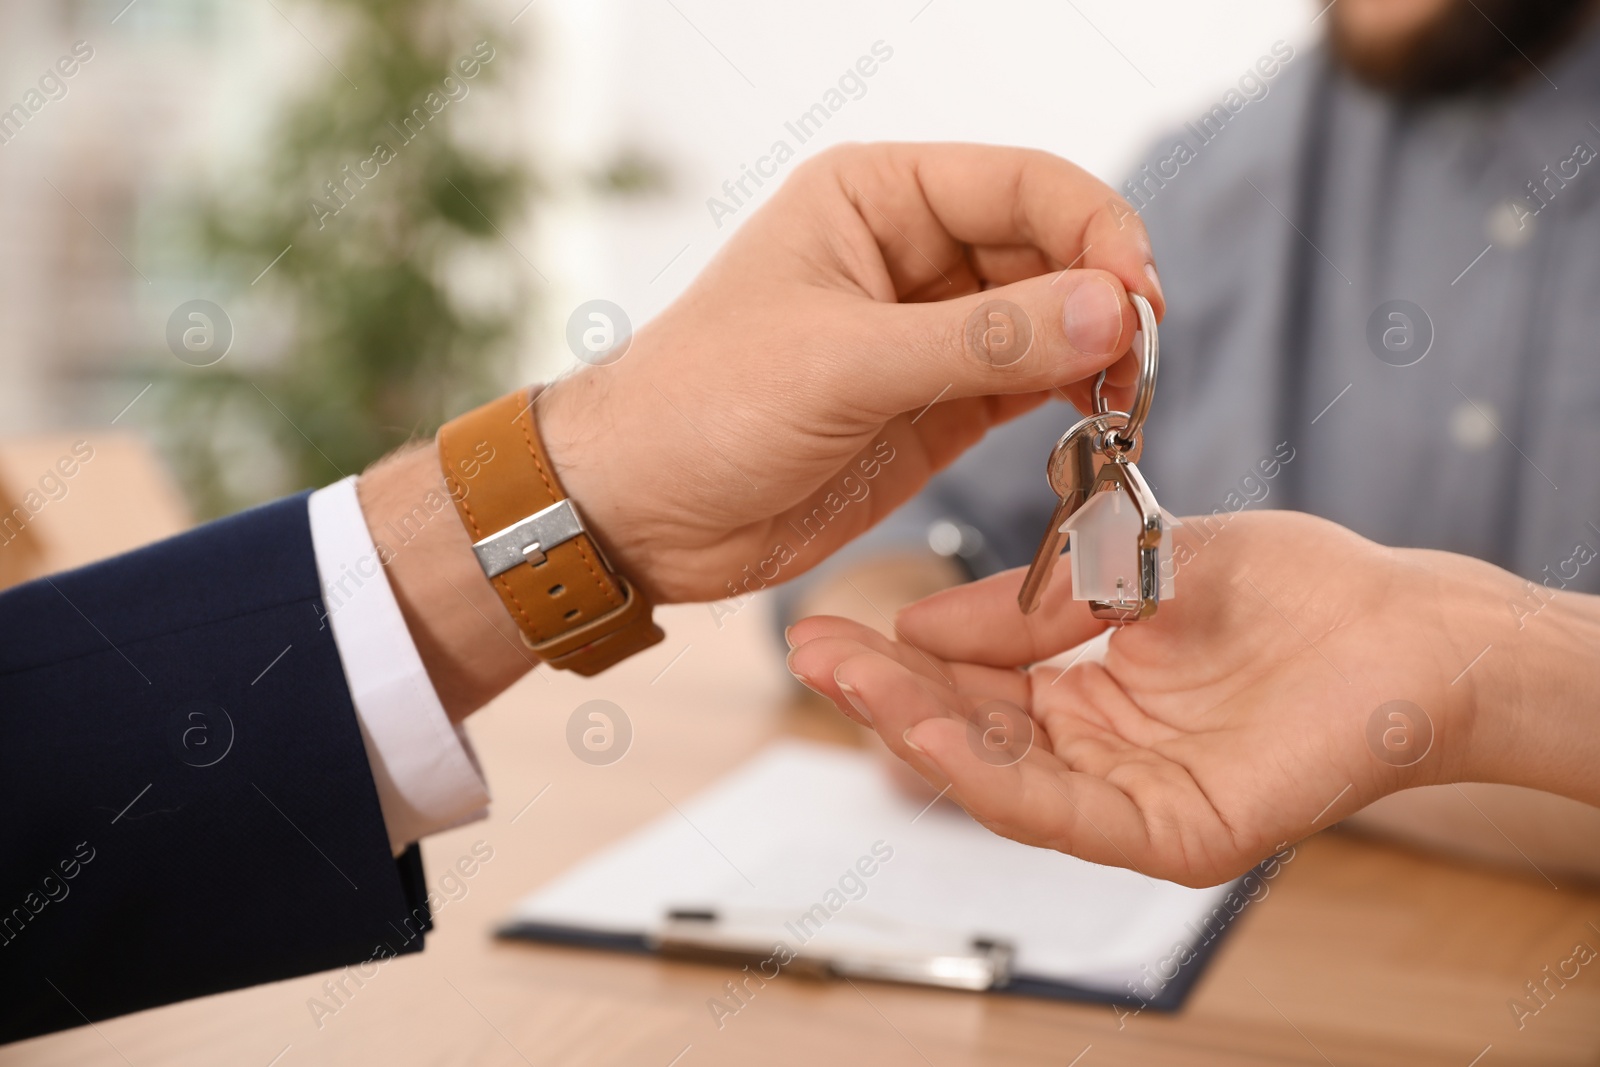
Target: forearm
x: 1508, y: 826
x: 468, y: 642
x: 1554, y: 688
x: 207, y: 702
x: 1536, y: 684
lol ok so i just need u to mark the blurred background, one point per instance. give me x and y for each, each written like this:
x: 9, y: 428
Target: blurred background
x: 388, y: 209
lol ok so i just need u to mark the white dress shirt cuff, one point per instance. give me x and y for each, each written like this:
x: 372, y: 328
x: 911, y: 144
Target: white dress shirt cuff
x: 427, y: 775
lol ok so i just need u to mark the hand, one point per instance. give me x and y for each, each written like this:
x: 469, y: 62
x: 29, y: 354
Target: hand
x: 820, y: 369
x: 1245, y: 713
x: 811, y: 380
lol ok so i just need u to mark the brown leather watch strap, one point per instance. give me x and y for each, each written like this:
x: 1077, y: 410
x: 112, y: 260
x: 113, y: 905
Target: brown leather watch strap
x: 572, y: 609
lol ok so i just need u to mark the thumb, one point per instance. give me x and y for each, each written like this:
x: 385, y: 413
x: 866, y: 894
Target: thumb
x: 979, y: 622
x: 1029, y: 336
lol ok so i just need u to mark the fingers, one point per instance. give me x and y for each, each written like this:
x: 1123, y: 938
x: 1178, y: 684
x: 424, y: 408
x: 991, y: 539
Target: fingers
x: 1029, y: 336
x: 823, y: 644
x: 815, y: 661
x: 950, y: 219
x: 1020, y: 791
x: 981, y: 622
x: 992, y: 266
x: 895, y: 700
x: 947, y: 429
x: 923, y: 201
x: 1093, y: 796
x: 1038, y: 801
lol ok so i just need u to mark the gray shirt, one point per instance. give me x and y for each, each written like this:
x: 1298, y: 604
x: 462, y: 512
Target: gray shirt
x: 1282, y: 241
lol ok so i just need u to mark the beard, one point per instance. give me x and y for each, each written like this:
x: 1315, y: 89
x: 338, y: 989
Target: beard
x: 1472, y: 45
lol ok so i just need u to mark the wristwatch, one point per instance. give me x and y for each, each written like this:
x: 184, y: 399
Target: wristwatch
x: 573, y: 609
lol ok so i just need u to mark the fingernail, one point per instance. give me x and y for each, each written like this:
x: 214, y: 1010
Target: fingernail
x: 788, y: 661
x: 787, y: 639
x: 853, y: 697
x: 1155, y: 280
x: 912, y: 745
x: 1092, y: 317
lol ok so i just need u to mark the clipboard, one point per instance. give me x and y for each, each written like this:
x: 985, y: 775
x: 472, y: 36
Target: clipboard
x: 807, y: 860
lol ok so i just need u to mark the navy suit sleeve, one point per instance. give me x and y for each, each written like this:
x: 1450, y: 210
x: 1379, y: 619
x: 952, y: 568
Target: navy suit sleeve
x: 186, y: 805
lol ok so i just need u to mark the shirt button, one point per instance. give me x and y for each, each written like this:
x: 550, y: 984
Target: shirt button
x: 1509, y: 225
x: 949, y: 538
x: 1472, y: 426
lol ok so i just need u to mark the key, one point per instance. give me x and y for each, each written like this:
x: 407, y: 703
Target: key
x: 1071, y: 471
x: 1044, y: 560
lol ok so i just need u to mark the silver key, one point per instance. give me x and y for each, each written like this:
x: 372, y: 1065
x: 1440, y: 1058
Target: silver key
x: 1073, y: 463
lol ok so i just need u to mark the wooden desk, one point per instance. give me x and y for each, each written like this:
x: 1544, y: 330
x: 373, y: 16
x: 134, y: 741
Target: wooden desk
x: 1361, y: 954
x: 117, y: 499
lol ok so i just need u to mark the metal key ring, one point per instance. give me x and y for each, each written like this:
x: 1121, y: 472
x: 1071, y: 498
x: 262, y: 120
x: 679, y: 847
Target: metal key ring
x: 1149, y: 363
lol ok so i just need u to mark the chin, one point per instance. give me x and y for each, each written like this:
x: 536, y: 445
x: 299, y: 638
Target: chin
x: 1437, y: 48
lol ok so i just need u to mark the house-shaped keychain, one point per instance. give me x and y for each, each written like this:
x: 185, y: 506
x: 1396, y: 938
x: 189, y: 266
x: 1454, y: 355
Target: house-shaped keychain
x: 1120, y: 561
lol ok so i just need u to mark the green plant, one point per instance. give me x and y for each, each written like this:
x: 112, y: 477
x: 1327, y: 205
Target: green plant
x: 372, y: 205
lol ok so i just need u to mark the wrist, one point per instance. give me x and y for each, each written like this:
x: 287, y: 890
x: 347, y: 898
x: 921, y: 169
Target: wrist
x: 1531, y: 693
x: 467, y: 642
x: 584, y: 440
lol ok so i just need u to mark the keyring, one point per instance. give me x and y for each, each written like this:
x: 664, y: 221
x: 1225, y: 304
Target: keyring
x: 1145, y: 390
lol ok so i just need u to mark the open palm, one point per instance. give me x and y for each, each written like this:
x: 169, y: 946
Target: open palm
x: 1300, y: 673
